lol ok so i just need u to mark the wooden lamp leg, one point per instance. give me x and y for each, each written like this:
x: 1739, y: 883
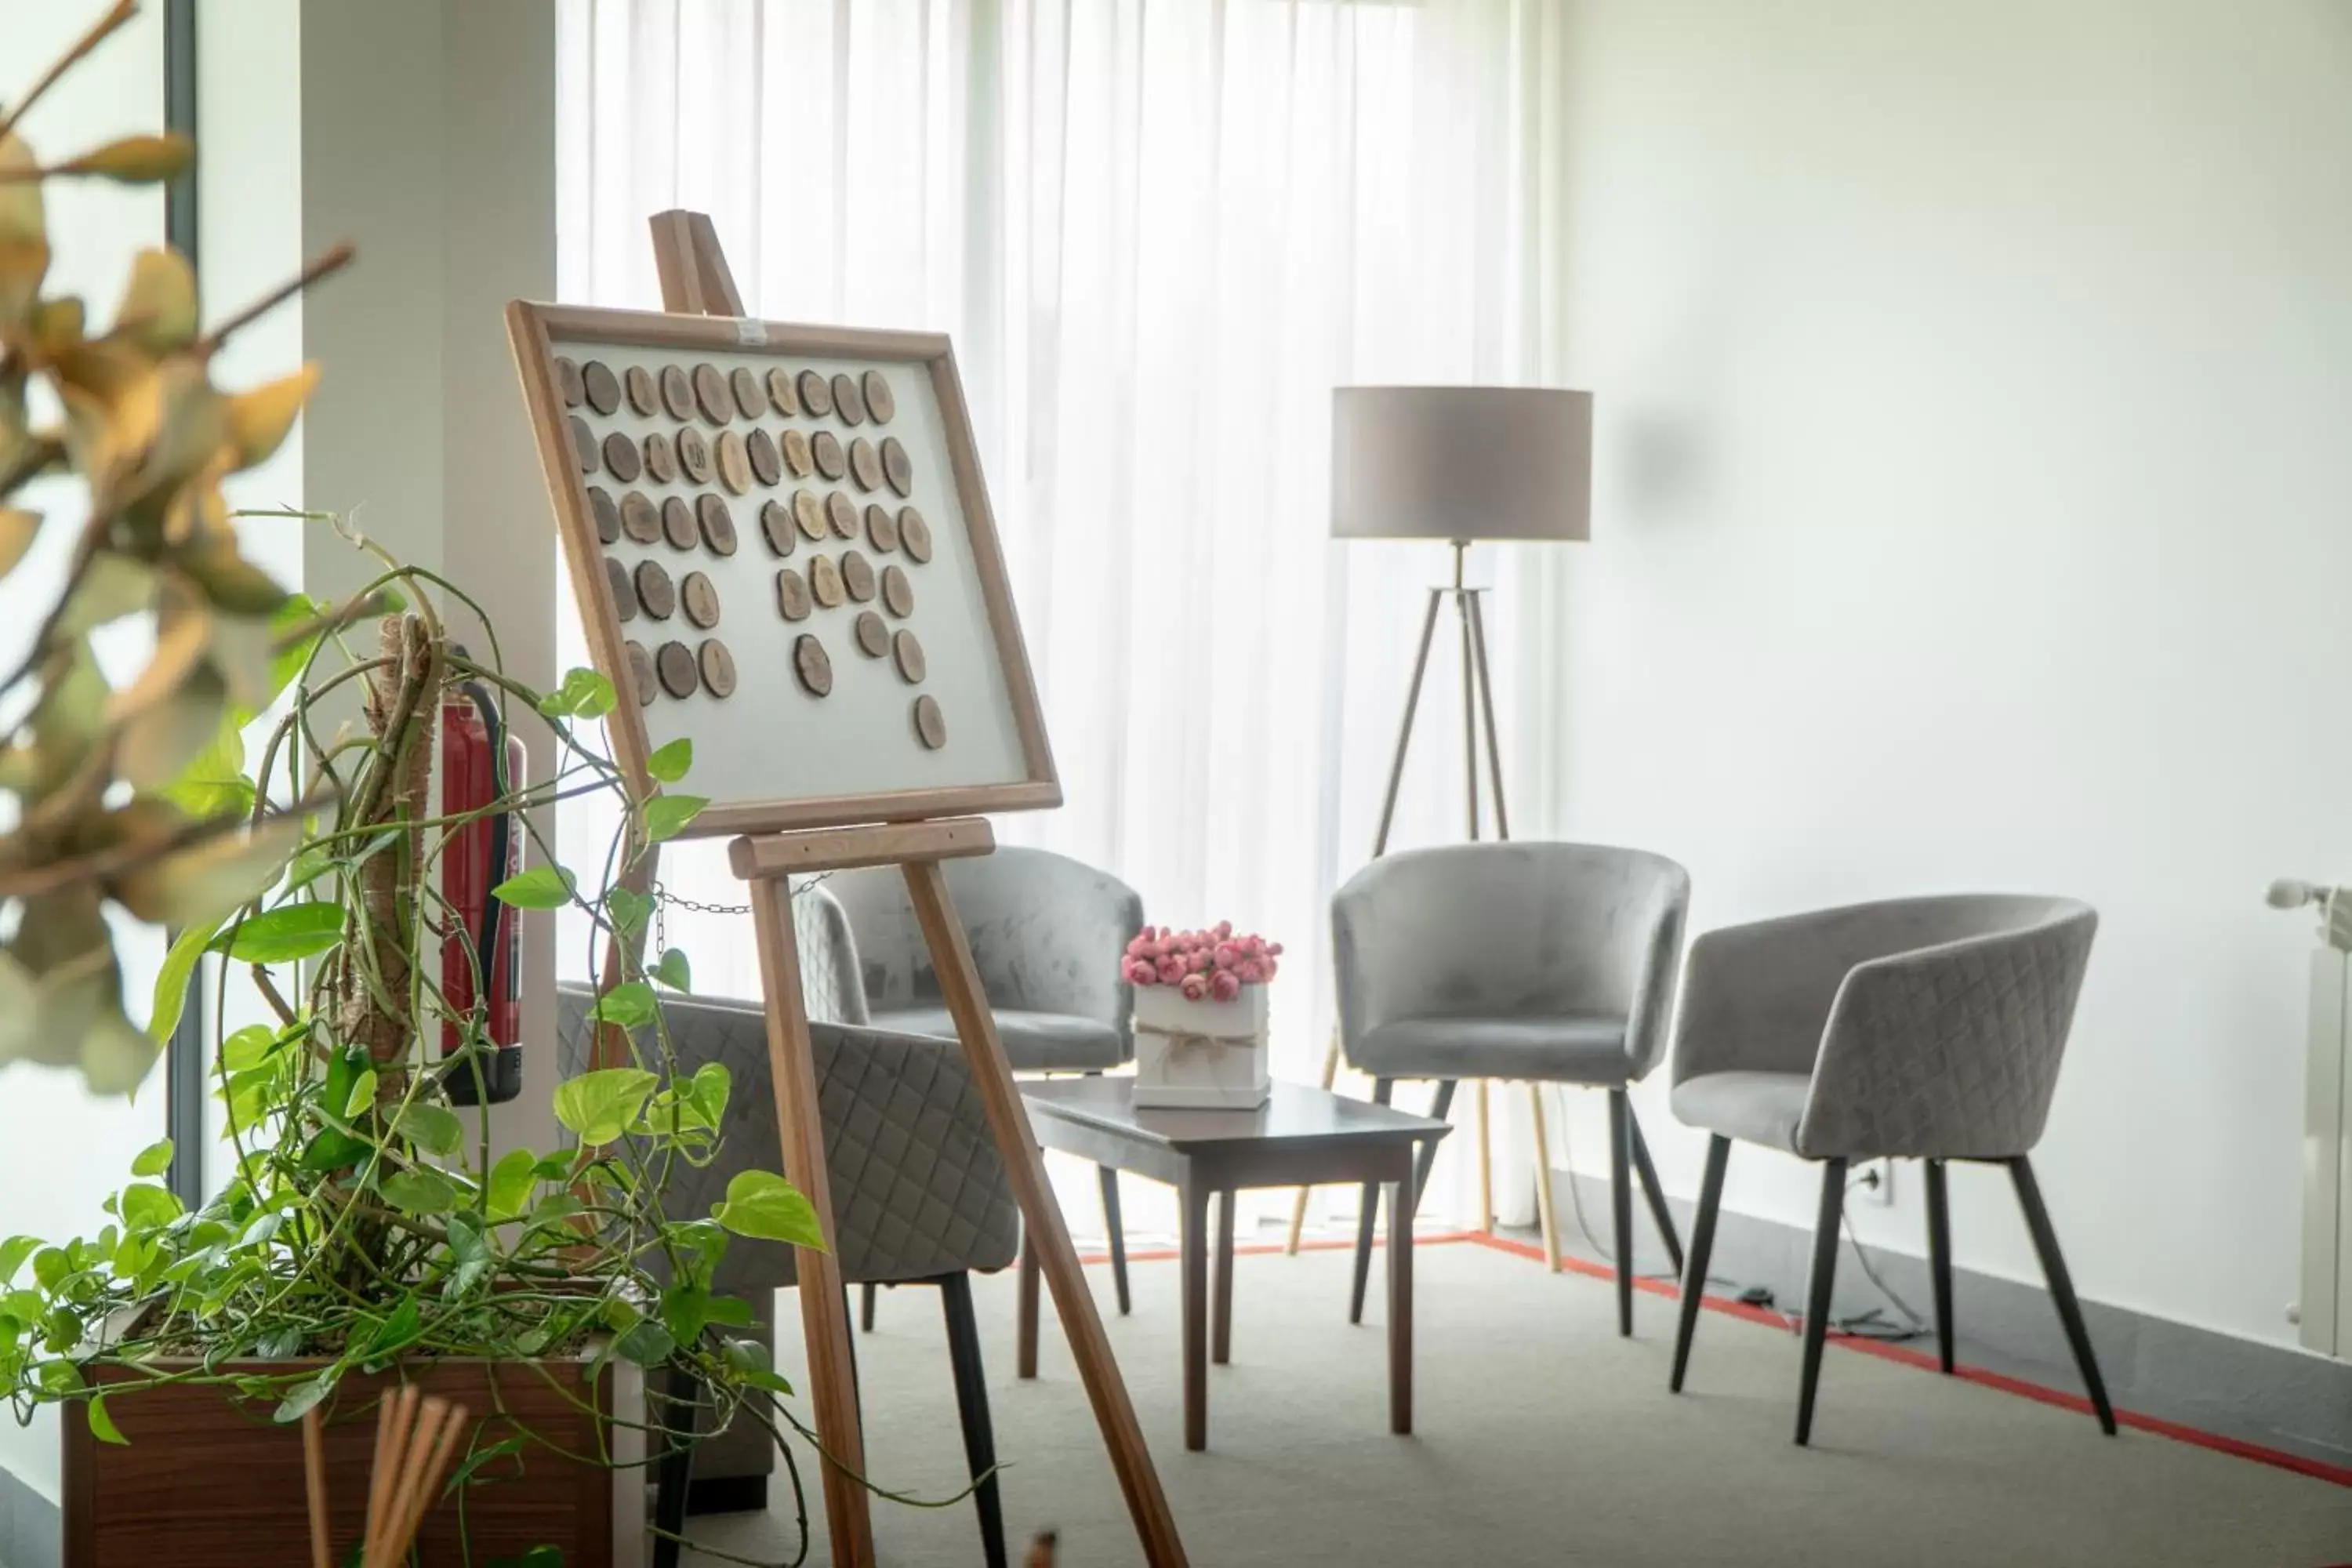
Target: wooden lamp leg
x: 1024, y: 1166
x: 1298, y: 1203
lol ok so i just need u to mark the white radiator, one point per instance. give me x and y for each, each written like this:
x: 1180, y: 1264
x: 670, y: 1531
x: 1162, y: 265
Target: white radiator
x: 2325, y: 1311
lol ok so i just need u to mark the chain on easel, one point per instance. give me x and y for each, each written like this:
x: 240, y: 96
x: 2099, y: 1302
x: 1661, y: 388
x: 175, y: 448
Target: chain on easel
x: 664, y: 899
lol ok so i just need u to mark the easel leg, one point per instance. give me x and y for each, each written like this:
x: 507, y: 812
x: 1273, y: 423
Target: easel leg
x: 1024, y: 1166
x: 825, y: 1309
x: 1298, y: 1203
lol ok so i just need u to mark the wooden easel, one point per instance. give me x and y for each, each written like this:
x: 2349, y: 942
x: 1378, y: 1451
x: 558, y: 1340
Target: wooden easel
x: 696, y: 279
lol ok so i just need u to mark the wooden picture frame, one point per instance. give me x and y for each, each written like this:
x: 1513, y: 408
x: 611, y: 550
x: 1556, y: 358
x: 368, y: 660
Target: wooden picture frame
x: 1008, y: 767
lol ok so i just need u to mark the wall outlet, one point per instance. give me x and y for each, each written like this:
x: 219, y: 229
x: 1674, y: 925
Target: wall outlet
x: 1876, y: 1182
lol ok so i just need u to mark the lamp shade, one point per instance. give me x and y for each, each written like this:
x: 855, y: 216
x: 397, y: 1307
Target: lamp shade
x: 1461, y: 462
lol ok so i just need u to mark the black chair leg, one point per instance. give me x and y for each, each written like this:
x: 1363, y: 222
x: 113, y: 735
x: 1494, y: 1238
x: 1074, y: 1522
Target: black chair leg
x: 1939, y: 1260
x: 1817, y: 1295
x: 1659, y: 1213
x: 682, y: 1400
x: 1117, y: 1230
x: 1384, y: 1091
x: 1694, y: 1273
x: 867, y: 1293
x: 2062, y: 1288
x: 1621, y: 1206
x: 972, y: 1406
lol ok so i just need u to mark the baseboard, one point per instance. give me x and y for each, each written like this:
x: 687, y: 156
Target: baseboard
x: 32, y: 1530
x: 2274, y: 1396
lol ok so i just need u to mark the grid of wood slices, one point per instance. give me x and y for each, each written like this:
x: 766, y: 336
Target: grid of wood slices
x: 686, y: 463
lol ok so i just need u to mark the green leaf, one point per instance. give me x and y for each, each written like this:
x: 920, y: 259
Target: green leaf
x: 673, y: 971
x: 419, y: 1192
x: 333, y: 1151
x: 287, y: 932
x: 541, y: 888
x: 101, y: 1424
x: 763, y: 1206
x: 264, y: 1227
x: 585, y: 694
x: 685, y: 1310
x: 627, y: 909
x: 13, y: 1253
x: 146, y: 1206
x: 247, y: 1047
x: 670, y: 763
x: 153, y: 1160
x: 173, y: 979
x: 666, y: 816
x: 512, y: 1181
x: 750, y: 1362
x: 395, y: 1333
x: 304, y: 1397
x: 432, y: 1129
x: 648, y: 1344
x: 630, y: 1004
x: 362, y: 1097
x: 599, y: 1106
x: 469, y: 1256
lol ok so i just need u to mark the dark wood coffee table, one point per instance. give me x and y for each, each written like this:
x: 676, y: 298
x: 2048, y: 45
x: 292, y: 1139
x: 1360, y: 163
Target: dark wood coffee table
x: 1301, y: 1136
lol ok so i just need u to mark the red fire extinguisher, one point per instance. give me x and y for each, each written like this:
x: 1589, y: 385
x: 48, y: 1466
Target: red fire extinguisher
x: 481, y: 763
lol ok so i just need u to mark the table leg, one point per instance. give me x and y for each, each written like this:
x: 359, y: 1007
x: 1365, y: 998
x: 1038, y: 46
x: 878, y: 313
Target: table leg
x: 1195, y: 1246
x: 1400, y: 1308
x: 1221, y: 1350
x: 1027, y: 1357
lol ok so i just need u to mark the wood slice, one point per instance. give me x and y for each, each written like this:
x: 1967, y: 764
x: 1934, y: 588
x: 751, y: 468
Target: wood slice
x: 718, y: 524
x: 881, y: 529
x: 767, y: 463
x: 640, y: 519
x: 750, y: 397
x: 624, y: 596
x: 699, y: 600
x: 677, y: 391
x: 897, y: 591
x: 873, y: 636
x: 808, y: 512
x: 734, y: 462
x: 896, y: 467
x: 824, y: 448
x: 637, y: 383
x: 776, y: 527
x: 717, y: 669
x: 880, y: 402
x: 674, y: 664
x: 780, y: 394
x: 661, y: 457
x: 694, y: 455
x: 909, y: 655
x: 678, y: 523
x: 567, y: 382
x: 812, y: 665
x: 816, y: 397
x: 930, y: 724
x: 606, y: 514
x: 842, y: 513
x: 641, y: 672
x: 656, y: 595
x: 621, y: 459
x: 858, y: 576
x: 711, y: 397
x: 584, y: 445
x: 915, y: 534
x: 848, y: 401
x: 825, y: 582
x: 601, y: 387
x: 792, y: 596
x: 797, y: 457
x: 866, y: 464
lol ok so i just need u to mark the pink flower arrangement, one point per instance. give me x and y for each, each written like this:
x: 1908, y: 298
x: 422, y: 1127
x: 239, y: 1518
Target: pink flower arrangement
x: 1204, y: 966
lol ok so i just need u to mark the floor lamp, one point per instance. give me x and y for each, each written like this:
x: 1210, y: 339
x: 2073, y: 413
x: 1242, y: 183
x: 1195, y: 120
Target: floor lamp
x: 1461, y: 464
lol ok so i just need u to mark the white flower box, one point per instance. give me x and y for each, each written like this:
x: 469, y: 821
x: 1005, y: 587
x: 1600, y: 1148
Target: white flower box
x: 1200, y: 1056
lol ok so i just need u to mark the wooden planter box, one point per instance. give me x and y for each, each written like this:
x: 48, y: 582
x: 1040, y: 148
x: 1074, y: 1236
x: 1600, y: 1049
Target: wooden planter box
x: 208, y: 1480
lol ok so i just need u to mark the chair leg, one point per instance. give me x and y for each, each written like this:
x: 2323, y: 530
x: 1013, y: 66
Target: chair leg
x: 1662, y: 1217
x: 1621, y: 1206
x: 675, y: 1478
x: 866, y: 1296
x: 1384, y: 1091
x: 1817, y: 1295
x: 1117, y: 1230
x: 1694, y: 1272
x: 1939, y: 1260
x: 2062, y: 1288
x: 972, y: 1406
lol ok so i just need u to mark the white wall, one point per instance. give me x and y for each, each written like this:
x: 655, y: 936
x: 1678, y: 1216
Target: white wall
x: 1976, y: 512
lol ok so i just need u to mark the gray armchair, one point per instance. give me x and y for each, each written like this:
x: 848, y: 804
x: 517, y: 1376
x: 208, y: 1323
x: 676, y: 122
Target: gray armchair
x: 1046, y: 934
x: 1543, y: 963
x: 1921, y: 1029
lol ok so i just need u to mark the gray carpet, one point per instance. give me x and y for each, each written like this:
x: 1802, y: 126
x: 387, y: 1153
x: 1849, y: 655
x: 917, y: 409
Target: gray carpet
x: 1543, y: 1437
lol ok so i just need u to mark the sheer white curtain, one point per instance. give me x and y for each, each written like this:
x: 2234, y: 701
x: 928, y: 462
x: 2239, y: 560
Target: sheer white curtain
x: 1159, y: 231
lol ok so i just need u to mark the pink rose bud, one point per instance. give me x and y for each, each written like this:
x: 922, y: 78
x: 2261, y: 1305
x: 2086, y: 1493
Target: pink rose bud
x: 1269, y: 966
x: 1171, y: 970
x: 1228, y: 955
x: 1249, y: 970
x: 1138, y: 972
x: 1224, y: 986
x: 1224, y: 928
x: 1274, y: 950
x: 1198, y: 961
x: 1195, y: 986
x: 1135, y: 948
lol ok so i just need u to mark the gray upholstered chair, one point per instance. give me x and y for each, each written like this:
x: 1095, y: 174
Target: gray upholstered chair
x: 1921, y: 1029
x: 1542, y: 963
x: 1046, y: 934
x: 919, y: 1192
